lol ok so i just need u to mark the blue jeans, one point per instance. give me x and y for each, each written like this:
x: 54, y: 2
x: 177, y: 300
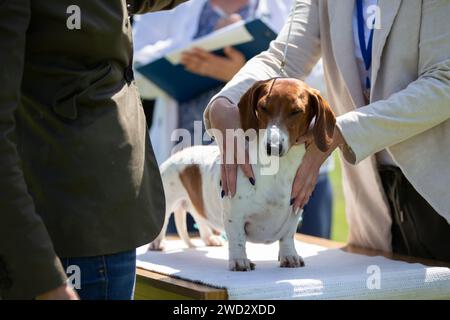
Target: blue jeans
x: 318, y: 210
x: 109, y: 277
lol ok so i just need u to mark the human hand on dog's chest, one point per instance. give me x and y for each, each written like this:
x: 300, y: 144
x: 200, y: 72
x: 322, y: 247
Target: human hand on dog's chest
x: 308, y: 171
x: 224, y: 118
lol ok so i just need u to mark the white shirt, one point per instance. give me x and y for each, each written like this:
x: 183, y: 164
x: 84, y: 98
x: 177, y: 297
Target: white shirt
x: 359, y: 58
x: 383, y: 156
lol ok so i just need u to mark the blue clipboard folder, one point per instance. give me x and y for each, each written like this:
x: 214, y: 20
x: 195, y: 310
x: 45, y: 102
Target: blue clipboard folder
x: 183, y: 85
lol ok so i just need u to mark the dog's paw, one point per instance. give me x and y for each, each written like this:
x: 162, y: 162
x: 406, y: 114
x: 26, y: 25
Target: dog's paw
x: 214, y: 241
x: 241, y: 265
x: 157, y: 245
x: 293, y: 261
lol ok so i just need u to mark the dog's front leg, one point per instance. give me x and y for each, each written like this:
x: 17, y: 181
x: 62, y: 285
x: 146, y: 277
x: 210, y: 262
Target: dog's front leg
x: 237, y: 256
x: 287, y: 255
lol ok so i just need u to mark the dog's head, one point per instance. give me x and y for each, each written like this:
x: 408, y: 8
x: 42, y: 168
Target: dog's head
x: 286, y: 107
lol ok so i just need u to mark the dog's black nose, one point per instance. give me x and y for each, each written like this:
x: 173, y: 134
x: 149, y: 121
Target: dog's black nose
x: 275, y: 150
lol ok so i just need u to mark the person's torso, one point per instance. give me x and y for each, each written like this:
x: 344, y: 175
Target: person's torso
x: 81, y: 131
x: 395, y: 66
x: 70, y: 48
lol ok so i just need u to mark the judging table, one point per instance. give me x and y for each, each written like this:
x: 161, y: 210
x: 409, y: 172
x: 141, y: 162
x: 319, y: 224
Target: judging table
x: 153, y: 285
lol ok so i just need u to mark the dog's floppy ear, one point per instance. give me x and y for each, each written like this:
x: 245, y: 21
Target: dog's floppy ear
x: 325, y: 122
x: 247, y: 106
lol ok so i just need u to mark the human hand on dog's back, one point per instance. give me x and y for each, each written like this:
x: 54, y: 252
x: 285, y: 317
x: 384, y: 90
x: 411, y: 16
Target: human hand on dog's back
x: 224, y: 115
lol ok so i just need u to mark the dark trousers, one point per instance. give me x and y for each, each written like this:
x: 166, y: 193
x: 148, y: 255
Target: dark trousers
x: 417, y: 229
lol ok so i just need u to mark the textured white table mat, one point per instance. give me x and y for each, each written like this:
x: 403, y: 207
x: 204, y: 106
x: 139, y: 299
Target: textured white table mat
x: 328, y: 274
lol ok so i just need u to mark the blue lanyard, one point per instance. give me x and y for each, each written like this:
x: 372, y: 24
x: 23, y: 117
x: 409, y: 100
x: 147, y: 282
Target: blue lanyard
x: 366, y: 51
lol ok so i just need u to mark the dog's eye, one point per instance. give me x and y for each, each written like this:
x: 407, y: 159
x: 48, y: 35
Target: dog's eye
x: 265, y: 109
x: 296, y: 111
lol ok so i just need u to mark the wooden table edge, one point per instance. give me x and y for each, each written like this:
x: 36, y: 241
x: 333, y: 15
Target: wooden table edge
x: 203, y: 291
x: 179, y: 286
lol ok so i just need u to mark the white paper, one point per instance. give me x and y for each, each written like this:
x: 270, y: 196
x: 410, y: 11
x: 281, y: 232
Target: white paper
x: 231, y: 35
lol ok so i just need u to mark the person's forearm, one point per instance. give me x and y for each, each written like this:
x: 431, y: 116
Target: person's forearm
x: 423, y: 104
x: 302, y: 55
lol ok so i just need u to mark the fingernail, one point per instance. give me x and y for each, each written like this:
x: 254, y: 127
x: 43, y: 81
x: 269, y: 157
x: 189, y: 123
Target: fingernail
x: 297, y: 211
x: 292, y: 201
x: 252, y: 181
x: 223, y: 194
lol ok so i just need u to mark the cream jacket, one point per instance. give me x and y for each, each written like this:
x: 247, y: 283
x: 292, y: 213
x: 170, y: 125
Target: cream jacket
x: 409, y: 107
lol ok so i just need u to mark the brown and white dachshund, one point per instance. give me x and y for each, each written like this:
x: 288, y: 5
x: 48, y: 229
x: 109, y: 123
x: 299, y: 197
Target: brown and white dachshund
x: 281, y: 110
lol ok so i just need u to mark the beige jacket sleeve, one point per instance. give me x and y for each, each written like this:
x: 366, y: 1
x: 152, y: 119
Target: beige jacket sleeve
x: 303, y: 53
x: 420, y: 106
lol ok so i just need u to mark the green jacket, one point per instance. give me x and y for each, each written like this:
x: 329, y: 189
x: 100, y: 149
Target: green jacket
x: 77, y: 172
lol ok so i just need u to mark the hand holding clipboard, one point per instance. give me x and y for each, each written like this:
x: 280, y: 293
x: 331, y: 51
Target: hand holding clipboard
x: 167, y: 73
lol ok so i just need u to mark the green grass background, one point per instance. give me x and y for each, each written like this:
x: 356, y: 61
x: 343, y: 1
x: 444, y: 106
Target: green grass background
x: 339, y: 229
